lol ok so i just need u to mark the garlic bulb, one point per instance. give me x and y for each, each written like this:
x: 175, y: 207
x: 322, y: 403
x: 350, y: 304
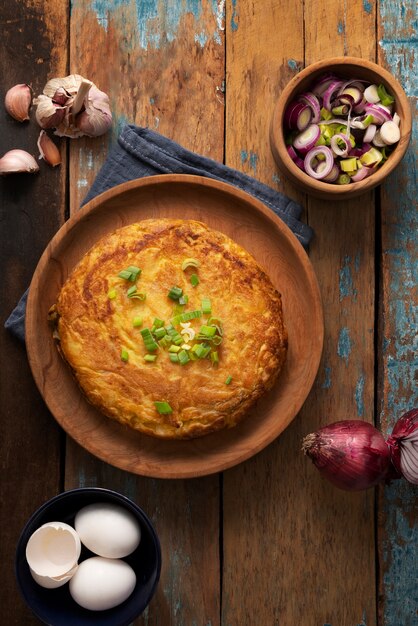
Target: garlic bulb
x: 74, y: 106
x: 18, y: 101
x: 48, y: 150
x: 17, y: 161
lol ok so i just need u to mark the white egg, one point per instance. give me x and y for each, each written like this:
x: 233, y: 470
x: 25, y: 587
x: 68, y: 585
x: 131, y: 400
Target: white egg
x: 108, y: 530
x: 52, y: 553
x: 101, y: 584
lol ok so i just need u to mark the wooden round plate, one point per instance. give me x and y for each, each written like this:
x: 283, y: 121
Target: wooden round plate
x: 248, y: 222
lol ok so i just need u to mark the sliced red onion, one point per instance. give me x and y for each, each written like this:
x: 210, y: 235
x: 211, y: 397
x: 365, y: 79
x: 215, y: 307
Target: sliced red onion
x: 329, y: 161
x: 352, y: 454
x: 358, y: 152
x: 292, y: 153
x: 360, y: 107
x: 328, y: 94
x: 323, y: 83
x: 340, y: 138
x: 370, y: 133
x: 297, y: 116
x: 379, y: 112
x: 300, y: 163
x: 403, y: 443
x: 353, y: 93
x: 312, y: 102
x: 354, y: 82
x: 333, y: 175
x: 362, y: 173
x: 307, y: 139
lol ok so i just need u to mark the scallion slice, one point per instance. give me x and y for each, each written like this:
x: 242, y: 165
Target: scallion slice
x: 175, y: 293
x: 174, y: 349
x: 183, y: 357
x: 201, y: 350
x: 214, y: 357
x: 125, y: 274
x: 217, y: 340
x: 194, y: 280
x: 163, y: 408
x: 158, y: 323
x: 206, y: 306
x: 189, y: 263
x: 149, y: 342
x: 228, y: 380
x: 207, y: 331
x: 183, y: 299
x: 159, y: 333
x: 131, y: 291
x: 186, y: 317
x: 112, y: 294
x: 165, y: 341
x: 124, y: 355
x: 174, y: 358
x: 150, y: 358
x: 131, y: 273
x: 137, y: 321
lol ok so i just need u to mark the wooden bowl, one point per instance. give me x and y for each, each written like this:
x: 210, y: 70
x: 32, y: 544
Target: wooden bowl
x: 251, y: 224
x: 344, y: 67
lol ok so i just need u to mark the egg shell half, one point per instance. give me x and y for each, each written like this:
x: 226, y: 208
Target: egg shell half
x: 100, y: 584
x: 52, y: 553
x: 108, y: 530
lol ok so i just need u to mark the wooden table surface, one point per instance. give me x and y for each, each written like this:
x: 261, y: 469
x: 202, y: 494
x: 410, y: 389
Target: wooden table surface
x: 267, y: 543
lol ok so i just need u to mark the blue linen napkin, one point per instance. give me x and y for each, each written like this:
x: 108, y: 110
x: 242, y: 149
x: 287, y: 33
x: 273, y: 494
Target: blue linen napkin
x: 143, y: 152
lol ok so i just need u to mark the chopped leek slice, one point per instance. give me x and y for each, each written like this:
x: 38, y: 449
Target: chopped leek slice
x: 385, y: 97
x: 137, y: 321
x: 131, y: 291
x: 131, y: 273
x: 150, y: 358
x: 206, y: 306
x: 207, y: 331
x: 187, y: 316
x: 183, y: 357
x: 228, y: 380
x: 112, y: 294
x: 174, y: 358
x: 149, y: 342
x: 159, y: 333
x: 183, y: 299
x: 348, y: 165
x: 175, y: 293
x: 163, y: 408
x: 174, y: 349
x: 194, y: 279
x: 189, y: 263
x: 124, y: 355
x: 158, y: 323
x: 214, y: 357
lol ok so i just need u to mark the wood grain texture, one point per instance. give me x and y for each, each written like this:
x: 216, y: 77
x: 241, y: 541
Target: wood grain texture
x: 32, y: 47
x: 277, y: 510
x: 164, y: 67
x: 398, y: 367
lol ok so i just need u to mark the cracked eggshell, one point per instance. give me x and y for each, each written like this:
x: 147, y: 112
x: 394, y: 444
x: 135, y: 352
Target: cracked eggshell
x: 52, y: 553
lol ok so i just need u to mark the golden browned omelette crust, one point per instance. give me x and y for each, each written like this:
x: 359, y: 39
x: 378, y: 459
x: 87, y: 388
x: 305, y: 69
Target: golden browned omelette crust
x: 95, y: 324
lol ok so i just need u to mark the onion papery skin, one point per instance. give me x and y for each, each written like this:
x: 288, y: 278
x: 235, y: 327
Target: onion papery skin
x: 351, y: 454
x: 405, y: 429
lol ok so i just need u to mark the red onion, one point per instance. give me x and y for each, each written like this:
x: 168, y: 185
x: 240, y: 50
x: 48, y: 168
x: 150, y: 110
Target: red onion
x: 333, y: 175
x: 361, y: 106
x: 351, y: 454
x: 312, y: 102
x: 292, y: 152
x: 297, y: 116
x: 323, y: 172
x: 358, y: 152
x: 334, y: 85
x: 403, y: 444
x: 307, y: 139
x: 323, y: 83
x: 300, y: 163
x: 380, y: 113
x: 353, y: 93
x: 337, y: 139
x: 362, y: 173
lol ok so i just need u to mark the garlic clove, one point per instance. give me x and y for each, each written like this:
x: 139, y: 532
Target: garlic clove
x: 94, y: 122
x: 61, y: 96
x: 48, y: 114
x: 17, y: 161
x: 48, y: 150
x: 18, y: 101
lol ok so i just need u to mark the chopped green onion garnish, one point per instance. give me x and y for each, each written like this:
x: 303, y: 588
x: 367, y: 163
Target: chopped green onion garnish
x: 112, y: 294
x: 325, y: 114
x: 186, y: 317
x: 189, y: 263
x: 207, y: 331
x: 159, y: 333
x: 214, y: 357
x: 165, y: 341
x: 130, y: 273
x: 228, y: 380
x: 137, y: 321
x: 125, y: 274
x: 174, y: 349
x: 217, y: 340
x: 175, y: 293
x: 194, y: 279
x: 343, y: 179
x: 385, y: 97
x: 163, y: 408
x: 201, y: 350
x: 174, y: 335
x: 158, y: 323
x: 206, y: 306
x: 183, y: 357
x: 124, y: 355
x: 183, y: 299
x: 149, y: 342
x: 131, y: 291
x: 173, y: 357
x: 150, y: 358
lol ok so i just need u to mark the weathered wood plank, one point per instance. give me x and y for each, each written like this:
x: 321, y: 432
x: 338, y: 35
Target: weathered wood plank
x: 277, y: 510
x: 164, y: 68
x: 398, y: 367
x: 32, y: 48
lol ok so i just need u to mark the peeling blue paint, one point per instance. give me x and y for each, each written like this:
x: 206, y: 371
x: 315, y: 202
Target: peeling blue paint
x: 103, y: 8
x: 253, y: 160
x: 340, y: 28
x: 234, y: 16
x: 201, y: 38
x: 244, y: 156
x: 327, y: 378
x: 363, y: 620
x: 367, y: 6
x: 346, y: 287
x: 152, y: 101
x: 344, y: 344
x: 359, y: 395
x: 275, y: 178
x: 292, y: 64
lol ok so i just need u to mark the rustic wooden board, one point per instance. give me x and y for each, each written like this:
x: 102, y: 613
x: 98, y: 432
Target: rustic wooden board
x: 277, y: 510
x: 32, y: 48
x: 398, y: 371
x: 164, y: 68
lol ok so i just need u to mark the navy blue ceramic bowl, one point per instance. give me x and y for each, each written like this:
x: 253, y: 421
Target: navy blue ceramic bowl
x: 56, y: 606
